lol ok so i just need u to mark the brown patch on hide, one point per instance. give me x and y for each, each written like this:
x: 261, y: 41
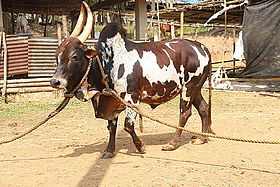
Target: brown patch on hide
x: 120, y: 71
x: 106, y: 107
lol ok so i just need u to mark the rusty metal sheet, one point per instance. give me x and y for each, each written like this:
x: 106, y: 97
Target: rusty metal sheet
x: 17, y: 56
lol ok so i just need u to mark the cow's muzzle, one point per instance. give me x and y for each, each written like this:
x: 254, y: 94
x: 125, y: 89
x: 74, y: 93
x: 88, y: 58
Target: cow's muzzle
x: 58, y: 83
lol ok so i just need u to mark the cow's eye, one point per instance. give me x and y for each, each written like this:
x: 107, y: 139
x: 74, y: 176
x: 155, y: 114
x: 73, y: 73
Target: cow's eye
x: 74, y: 58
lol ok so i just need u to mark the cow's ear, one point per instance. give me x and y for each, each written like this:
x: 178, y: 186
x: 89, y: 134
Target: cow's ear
x: 90, y: 53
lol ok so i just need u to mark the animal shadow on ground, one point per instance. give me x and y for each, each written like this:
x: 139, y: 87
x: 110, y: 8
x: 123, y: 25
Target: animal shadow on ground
x: 99, y: 168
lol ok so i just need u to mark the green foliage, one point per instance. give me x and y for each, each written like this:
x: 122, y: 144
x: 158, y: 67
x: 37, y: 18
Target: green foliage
x: 192, y: 30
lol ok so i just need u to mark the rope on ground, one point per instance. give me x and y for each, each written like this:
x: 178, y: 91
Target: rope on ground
x: 137, y: 109
x: 52, y: 114
x: 67, y: 97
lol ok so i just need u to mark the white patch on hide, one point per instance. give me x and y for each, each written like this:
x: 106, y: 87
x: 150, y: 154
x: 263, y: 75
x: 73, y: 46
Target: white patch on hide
x: 130, y: 114
x: 185, y: 98
x: 148, y: 62
x: 169, y: 46
x: 203, y: 62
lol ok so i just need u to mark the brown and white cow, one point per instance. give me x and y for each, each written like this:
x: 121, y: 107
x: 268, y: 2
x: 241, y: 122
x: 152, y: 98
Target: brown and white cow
x: 151, y: 73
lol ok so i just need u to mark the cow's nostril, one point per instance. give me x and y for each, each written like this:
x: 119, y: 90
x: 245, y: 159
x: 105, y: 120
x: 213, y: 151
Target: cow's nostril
x: 55, y: 82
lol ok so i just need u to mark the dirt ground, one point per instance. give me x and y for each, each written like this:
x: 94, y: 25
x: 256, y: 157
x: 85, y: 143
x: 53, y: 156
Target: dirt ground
x: 66, y: 151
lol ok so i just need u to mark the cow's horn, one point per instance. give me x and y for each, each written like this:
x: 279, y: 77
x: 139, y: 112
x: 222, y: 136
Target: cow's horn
x: 79, y: 25
x: 87, y: 29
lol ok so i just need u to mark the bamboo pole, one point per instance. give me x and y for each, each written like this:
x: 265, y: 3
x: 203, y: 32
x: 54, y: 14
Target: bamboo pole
x: 13, y: 21
x: 224, y: 51
x: 29, y: 90
x: 19, y: 81
x: 158, y: 21
x: 64, y: 26
x: 46, y: 23
x: 234, y: 38
x: 33, y: 84
x: 4, y: 89
x: 1, y: 17
x: 172, y: 30
x: 59, y: 32
x: 182, y: 24
x: 251, y: 79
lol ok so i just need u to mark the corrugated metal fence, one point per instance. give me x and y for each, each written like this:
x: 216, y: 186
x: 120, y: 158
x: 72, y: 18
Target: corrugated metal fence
x: 33, y: 57
x: 17, y: 56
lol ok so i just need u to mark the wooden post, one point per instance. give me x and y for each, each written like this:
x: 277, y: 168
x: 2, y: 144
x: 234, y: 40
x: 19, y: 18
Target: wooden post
x: 234, y: 37
x: 64, y: 26
x: 158, y: 21
x: 172, y: 30
x: 182, y: 24
x: 13, y: 22
x: 2, y: 33
x: 59, y: 32
x: 46, y: 23
x: 153, y: 6
x: 4, y: 89
x: 108, y: 17
x: 224, y: 51
x: 1, y: 17
x: 225, y: 4
x: 140, y: 19
x: 93, y: 27
x: 196, y: 32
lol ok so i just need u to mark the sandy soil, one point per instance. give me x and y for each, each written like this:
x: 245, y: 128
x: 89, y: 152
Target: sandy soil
x: 66, y: 151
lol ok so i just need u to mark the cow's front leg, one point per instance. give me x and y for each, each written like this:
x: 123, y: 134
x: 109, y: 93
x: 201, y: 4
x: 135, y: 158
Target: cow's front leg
x: 129, y: 127
x: 110, y: 150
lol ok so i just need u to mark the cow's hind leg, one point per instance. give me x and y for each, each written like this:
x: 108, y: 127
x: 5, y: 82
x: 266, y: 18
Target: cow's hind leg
x: 129, y: 127
x: 110, y: 150
x: 185, y: 113
x: 203, y: 110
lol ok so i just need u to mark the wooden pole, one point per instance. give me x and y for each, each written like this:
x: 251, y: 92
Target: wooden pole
x: 251, y: 79
x: 172, y: 30
x: 196, y: 32
x: 46, y: 23
x: 1, y: 17
x: 4, y: 89
x: 182, y: 24
x: 234, y: 38
x: 59, y: 32
x: 225, y: 4
x: 224, y: 51
x: 64, y: 26
x: 158, y: 20
x: 13, y: 22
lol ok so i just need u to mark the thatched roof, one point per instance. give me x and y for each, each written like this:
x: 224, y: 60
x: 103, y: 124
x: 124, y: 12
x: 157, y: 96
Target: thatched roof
x: 56, y: 7
x: 201, y: 12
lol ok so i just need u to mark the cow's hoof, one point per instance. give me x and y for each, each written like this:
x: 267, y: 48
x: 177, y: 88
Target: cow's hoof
x: 142, y: 149
x: 211, y: 131
x: 107, y: 155
x: 169, y: 147
x: 199, y: 141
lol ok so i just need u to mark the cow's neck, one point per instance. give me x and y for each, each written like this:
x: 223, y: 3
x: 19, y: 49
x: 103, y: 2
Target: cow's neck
x: 95, y: 78
x: 110, y: 47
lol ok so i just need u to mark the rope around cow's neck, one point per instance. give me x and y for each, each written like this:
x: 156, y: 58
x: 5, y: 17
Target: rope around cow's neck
x: 67, y: 97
